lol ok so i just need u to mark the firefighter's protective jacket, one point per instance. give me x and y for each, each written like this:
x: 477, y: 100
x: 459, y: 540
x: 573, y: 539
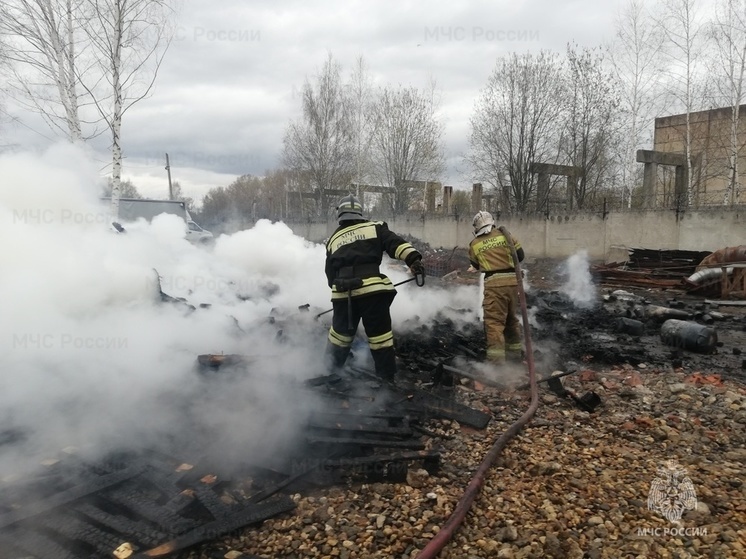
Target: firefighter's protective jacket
x: 355, y: 250
x: 491, y: 254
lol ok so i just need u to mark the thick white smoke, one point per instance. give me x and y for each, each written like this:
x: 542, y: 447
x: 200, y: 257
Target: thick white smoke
x: 91, y: 357
x: 578, y: 283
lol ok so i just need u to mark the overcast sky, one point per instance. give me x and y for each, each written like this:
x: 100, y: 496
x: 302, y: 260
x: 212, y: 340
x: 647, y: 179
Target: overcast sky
x: 231, y: 78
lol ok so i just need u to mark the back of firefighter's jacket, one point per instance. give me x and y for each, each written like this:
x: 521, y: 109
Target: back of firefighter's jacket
x: 356, y: 251
x: 491, y: 253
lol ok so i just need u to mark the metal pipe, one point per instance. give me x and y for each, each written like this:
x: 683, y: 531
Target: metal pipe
x: 706, y: 274
x: 472, y: 490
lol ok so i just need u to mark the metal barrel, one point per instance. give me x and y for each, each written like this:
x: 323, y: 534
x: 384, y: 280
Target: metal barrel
x: 689, y: 335
x: 630, y: 326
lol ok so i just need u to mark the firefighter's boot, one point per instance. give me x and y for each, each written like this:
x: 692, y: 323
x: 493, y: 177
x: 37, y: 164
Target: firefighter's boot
x: 335, y: 356
x: 385, y: 363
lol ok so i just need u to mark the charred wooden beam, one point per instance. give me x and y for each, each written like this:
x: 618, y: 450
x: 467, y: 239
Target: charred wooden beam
x: 78, y: 531
x: 443, y: 408
x: 353, y: 423
x: 207, y: 497
x: 430, y: 459
x: 142, y: 505
x: 211, y: 530
x: 380, y: 443
x: 72, y: 494
x: 143, y: 532
x: 40, y: 546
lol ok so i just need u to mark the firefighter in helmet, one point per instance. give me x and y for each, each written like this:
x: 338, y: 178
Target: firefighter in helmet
x: 490, y: 254
x: 359, y: 290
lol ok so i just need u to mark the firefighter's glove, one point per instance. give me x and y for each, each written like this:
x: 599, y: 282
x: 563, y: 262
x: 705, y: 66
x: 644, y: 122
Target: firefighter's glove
x: 418, y: 268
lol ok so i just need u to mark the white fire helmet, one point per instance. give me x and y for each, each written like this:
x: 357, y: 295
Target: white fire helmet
x: 483, y: 223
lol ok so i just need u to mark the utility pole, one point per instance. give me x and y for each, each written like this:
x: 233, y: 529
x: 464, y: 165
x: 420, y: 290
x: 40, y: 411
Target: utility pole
x: 170, y: 186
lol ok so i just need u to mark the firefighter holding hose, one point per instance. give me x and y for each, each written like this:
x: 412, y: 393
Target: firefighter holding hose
x: 359, y: 290
x: 489, y: 253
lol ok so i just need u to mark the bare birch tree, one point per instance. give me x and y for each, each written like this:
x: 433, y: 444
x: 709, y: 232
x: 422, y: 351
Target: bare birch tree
x: 407, y: 141
x: 515, y: 124
x: 591, y: 125
x: 636, y: 58
x: 321, y: 145
x: 728, y: 33
x: 360, y: 97
x: 682, y: 24
x: 42, y: 46
x: 129, y: 38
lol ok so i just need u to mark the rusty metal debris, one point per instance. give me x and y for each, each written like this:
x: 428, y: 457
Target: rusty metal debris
x: 618, y: 274
x: 722, y: 273
x: 661, y: 269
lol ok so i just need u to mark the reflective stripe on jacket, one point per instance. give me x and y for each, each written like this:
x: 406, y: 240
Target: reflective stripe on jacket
x: 362, y: 244
x: 491, y: 254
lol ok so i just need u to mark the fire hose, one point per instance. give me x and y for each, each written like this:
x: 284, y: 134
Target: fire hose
x: 438, y: 542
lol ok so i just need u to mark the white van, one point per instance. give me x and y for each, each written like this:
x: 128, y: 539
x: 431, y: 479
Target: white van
x: 132, y: 209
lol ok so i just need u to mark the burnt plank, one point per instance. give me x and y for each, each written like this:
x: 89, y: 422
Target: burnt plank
x: 67, y: 496
x: 444, y: 408
x: 76, y: 530
x: 355, y: 423
x: 429, y: 455
x: 142, y: 532
x: 211, y: 530
x: 143, y: 505
x: 300, y: 469
x: 166, y: 481
x: 322, y: 380
x: 382, y: 443
x: 178, y: 503
x: 210, y: 500
x: 40, y: 546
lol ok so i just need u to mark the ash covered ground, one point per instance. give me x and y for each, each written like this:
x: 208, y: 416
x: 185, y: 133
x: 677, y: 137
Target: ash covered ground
x: 576, y: 322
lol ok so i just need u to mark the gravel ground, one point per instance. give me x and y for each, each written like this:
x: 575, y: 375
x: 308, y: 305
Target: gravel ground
x: 571, y: 485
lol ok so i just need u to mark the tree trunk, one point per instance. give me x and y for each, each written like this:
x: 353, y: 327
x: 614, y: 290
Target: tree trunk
x: 116, y: 117
x: 76, y: 134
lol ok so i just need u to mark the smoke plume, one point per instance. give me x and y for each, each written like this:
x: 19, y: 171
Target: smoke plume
x: 93, y: 358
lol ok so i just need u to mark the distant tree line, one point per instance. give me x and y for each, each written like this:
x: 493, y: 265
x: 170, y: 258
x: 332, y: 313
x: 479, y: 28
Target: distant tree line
x: 587, y: 108
x: 82, y: 63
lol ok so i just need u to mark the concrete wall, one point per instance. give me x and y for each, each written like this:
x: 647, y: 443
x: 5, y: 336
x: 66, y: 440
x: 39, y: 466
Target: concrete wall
x: 562, y: 235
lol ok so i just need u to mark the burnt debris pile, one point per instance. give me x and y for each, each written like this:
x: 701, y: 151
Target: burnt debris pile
x: 440, y: 261
x: 619, y: 327
x: 120, y: 505
x: 323, y: 430
x: 443, y: 338
x: 624, y: 327
x: 157, y: 502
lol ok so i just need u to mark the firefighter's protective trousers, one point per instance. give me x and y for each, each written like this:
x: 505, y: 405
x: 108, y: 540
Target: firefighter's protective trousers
x: 374, y: 312
x: 501, y: 326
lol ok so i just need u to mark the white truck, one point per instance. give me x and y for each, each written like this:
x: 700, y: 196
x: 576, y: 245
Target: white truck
x: 132, y: 209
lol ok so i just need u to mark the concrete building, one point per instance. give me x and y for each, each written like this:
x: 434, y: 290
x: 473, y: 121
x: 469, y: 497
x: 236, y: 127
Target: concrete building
x: 710, y: 148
